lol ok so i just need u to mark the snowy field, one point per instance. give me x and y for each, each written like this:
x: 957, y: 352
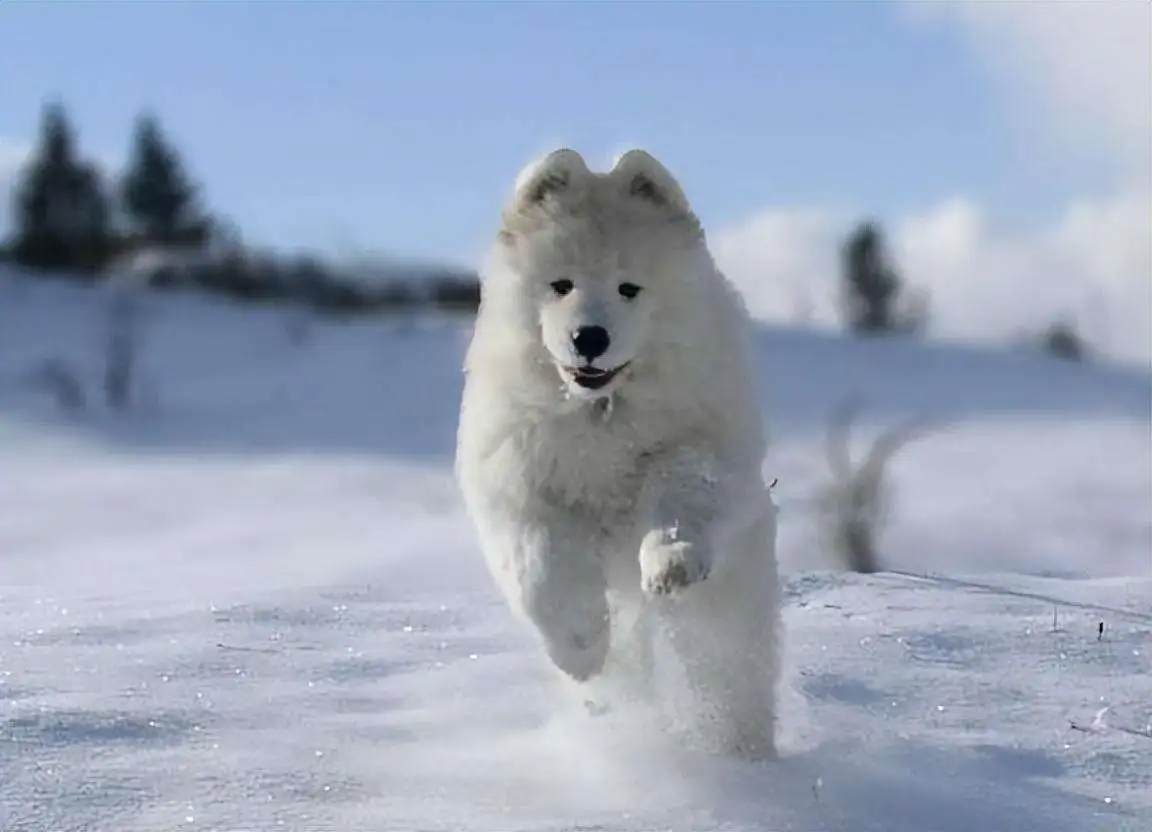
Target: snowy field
x: 255, y: 604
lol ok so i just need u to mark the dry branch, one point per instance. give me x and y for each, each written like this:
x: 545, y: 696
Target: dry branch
x: 855, y: 504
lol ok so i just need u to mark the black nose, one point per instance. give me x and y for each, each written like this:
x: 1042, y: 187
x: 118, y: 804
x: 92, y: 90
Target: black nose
x: 591, y: 342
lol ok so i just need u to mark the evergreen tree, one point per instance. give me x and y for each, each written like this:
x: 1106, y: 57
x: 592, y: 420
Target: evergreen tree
x: 1063, y: 341
x: 61, y: 211
x: 870, y: 285
x: 157, y: 196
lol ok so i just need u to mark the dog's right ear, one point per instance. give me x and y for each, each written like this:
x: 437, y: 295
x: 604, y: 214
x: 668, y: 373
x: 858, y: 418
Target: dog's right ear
x: 550, y: 177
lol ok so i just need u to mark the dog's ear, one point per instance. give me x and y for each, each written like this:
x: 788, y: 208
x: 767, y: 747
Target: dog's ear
x: 550, y: 177
x: 643, y: 178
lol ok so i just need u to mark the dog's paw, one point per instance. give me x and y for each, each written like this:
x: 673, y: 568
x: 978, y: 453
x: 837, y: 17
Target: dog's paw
x: 580, y: 657
x: 666, y: 567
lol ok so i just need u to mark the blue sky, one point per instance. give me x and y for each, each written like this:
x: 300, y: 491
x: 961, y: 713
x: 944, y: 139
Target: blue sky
x: 400, y: 126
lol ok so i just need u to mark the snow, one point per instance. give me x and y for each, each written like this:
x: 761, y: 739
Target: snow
x: 254, y: 603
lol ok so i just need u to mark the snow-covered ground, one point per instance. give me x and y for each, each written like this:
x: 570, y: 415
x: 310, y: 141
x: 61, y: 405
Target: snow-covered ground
x: 254, y: 603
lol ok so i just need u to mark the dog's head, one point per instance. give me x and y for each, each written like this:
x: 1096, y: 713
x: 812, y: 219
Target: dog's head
x: 589, y: 259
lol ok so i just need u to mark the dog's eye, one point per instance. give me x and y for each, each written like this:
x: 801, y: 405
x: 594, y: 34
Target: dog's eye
x: 629, y: 290
x: 562, y: 287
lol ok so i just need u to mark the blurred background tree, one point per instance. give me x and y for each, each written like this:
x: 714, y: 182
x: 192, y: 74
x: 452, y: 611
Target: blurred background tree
x: 159, y: 201
x: 62, y: 215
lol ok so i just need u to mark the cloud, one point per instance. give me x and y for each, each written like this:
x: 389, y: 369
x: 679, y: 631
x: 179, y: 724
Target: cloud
x: 1081, y: 70
x: 1094, y: 265
x: 1077, y: 75
x: 784, y: 260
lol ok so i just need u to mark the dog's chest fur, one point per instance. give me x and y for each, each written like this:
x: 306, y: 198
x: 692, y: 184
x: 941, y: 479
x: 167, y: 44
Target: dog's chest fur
x: 592, y: 459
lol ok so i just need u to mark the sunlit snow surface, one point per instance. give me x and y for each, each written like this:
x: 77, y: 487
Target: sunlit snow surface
x: 255, y: 604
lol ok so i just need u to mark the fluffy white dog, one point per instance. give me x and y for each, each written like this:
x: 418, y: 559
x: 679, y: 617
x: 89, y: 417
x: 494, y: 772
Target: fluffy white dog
x: 610, y: 445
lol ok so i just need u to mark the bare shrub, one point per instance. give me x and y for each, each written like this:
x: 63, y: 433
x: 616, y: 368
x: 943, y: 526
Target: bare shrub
x: 61, y: 381
x: 856, y: 503
x: 122, y: 348
x: 1062, y: 340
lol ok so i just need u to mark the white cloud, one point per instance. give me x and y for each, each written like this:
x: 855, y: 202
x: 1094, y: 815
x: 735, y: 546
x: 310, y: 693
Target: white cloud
x: 784, y: 261
x: 1081, y: 69
x: 1094, y: 265
x: 1079, y: 74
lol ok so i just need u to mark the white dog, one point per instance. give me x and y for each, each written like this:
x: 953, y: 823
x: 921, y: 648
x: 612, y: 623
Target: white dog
x: 610, y: 443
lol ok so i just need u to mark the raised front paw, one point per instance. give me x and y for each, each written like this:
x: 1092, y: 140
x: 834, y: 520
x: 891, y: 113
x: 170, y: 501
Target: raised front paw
x: 668, y: 566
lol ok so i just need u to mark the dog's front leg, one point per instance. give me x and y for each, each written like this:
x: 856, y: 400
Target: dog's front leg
x: 683, y: 503
x: 549, y: 570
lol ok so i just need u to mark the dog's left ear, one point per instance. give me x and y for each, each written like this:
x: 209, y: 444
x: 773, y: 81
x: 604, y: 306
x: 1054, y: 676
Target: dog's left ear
x: 643, y: 178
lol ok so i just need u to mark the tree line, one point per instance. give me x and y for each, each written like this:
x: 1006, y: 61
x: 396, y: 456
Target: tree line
x: 72, y: 218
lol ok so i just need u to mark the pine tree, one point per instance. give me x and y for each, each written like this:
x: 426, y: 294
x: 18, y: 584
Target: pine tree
x: 870, y: 285
x: 62, y: 217
x: 156, y: 194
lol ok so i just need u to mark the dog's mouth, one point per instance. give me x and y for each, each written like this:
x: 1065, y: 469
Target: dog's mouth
x: 593, y: 378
